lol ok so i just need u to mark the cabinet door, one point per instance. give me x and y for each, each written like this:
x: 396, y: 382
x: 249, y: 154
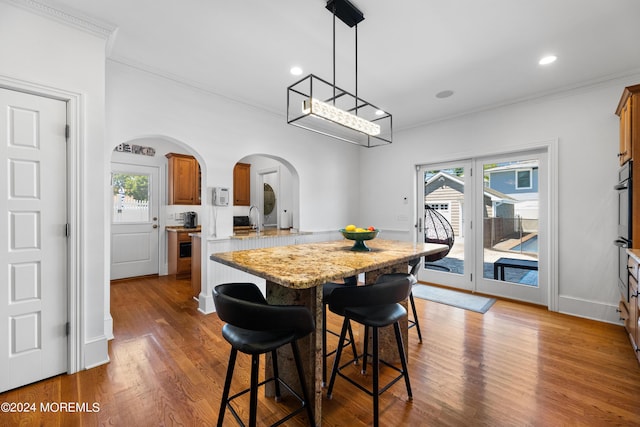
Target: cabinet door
x: 183, y: 180
x: 242, y: 184
x: 632, y: 328
x: 625, y: 153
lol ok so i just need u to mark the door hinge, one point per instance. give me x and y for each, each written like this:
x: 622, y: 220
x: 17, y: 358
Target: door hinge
x: 67, y: 328
x: 470, y: 171
x: 66, y: 230
x: 471, y: 277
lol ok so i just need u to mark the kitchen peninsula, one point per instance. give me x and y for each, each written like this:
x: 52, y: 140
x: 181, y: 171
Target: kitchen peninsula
x: 294, y: 275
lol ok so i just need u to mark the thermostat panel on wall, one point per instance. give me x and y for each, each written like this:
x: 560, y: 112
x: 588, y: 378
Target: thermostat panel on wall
x: 220, y: 196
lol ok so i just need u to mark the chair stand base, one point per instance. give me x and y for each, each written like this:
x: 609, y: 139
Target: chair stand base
x: 295, y: 395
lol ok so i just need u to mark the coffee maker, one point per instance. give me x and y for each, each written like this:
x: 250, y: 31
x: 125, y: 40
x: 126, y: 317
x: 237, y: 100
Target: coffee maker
x: 190, y: 219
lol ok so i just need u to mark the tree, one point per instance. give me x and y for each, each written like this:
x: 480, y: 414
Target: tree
x: 134, y: 186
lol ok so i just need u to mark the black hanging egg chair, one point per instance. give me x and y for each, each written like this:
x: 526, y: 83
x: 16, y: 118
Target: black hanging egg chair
x: 437, y: 230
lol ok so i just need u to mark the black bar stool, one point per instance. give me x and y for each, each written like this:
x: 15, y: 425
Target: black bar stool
x: 327, y: 288
x: 374, y: 306
x: 254, y: 327
x: 414, y: 265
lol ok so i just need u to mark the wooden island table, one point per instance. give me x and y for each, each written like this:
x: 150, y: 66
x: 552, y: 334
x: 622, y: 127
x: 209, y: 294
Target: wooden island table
x: 294, y: 275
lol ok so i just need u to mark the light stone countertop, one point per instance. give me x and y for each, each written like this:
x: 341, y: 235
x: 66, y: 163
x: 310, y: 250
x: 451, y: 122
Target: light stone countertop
x: 635, y: 253
x: 269, y: 232
x: 312, y: 264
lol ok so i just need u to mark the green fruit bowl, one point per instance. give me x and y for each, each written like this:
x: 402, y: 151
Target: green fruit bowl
x: 359, y: 237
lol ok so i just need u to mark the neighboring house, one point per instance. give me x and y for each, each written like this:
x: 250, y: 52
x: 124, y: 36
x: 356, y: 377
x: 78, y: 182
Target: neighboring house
x: 520, y: 182
x: 445, y: 193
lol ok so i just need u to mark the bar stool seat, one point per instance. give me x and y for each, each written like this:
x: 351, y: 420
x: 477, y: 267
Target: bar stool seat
x: 373, y: 306
x: 254, y: 327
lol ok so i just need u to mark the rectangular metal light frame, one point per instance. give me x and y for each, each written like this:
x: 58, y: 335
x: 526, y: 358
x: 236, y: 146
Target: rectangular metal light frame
x: 312, y: 88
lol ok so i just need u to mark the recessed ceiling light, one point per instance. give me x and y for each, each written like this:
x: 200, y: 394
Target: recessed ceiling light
x: 296, y: 71
x: 444, y: 94
x: 548, y: 60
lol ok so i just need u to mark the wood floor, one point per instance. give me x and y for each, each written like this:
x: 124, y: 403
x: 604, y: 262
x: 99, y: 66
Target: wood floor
x: 516, y: 365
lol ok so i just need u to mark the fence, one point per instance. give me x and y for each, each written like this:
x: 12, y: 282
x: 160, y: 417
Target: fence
x: 127, y: 209
x: 499, y: 229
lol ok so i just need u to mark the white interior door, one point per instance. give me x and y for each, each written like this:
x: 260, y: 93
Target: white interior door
x: 134, y: 220
x: 33, y: 255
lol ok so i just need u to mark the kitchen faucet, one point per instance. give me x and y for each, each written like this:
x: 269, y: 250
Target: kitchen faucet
x: 256, y: 224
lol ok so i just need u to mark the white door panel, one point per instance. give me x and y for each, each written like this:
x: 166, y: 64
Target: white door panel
x: 134, y: 222
x: 33, y: 258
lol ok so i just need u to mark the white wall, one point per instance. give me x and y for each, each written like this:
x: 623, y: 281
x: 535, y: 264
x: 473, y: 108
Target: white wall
x: 41, y: 54
x: 586, y: 127
x: 221, y: 132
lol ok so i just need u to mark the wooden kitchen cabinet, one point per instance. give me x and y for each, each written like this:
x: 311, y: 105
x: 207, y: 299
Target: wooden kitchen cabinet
x: 183, y: 179
x: 179, y: 252
x: 629, y: 112
x: 630, y: 312
x: 242, y: 184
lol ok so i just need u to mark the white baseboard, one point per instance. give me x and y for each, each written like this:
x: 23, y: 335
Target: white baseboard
x: 594, y: 310
x: 95, y: 352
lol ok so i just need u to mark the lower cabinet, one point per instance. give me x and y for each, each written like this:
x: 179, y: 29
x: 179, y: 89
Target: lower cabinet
x: 631, y: 312
x: 179, y: 256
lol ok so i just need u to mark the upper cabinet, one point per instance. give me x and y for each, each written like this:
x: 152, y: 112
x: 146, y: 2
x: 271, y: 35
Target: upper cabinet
x: 184, y: 179
x: 242, y: 184
x: 629, y: 112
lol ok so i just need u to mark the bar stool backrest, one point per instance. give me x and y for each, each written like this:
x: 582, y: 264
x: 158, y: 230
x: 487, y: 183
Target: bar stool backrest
x: 243, y: 305
x: 382, y: 293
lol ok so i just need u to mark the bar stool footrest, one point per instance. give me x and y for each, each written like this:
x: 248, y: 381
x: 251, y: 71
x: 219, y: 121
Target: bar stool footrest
x: 280, y: 421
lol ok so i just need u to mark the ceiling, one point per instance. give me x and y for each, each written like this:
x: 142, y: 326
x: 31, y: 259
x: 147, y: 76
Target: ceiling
x: 486, y: 52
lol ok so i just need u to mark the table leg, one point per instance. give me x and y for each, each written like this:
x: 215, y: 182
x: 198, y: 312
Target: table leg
x: 310, y: 346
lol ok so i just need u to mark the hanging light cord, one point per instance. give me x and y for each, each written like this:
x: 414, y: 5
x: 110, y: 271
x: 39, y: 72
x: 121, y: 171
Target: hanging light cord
x: 334, y: 60
x: 334, y: 54
x: 356, y: 69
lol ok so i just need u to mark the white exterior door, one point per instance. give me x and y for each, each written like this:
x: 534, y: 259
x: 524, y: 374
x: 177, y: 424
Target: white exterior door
x: 33, y: 255
x: 134, y: 220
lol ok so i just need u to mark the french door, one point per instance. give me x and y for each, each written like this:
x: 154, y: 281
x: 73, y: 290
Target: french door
x: 513, y: 227
x: 444, y: 207
x: 496, y: 209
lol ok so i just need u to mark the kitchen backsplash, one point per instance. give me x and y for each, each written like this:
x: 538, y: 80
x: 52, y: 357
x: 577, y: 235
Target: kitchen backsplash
x: 174, y: 213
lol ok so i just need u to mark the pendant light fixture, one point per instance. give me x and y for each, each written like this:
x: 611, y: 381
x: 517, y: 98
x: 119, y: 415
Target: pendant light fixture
x: 319, y: 106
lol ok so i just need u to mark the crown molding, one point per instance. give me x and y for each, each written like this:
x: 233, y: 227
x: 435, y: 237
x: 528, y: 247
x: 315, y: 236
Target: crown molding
x: 68, y: 17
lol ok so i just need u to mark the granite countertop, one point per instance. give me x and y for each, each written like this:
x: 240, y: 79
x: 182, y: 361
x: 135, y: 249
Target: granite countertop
x: 308, y: 265
x: 182, y: 229
x: 242, y: 234
x: 635, y: 253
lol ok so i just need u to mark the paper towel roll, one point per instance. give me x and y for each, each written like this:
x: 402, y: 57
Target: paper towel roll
x: 285, y: 220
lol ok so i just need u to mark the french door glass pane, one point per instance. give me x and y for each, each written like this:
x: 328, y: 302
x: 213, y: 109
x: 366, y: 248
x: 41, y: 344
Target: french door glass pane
x: 511, y: 222
x: 444, y: 216
x: 130, y: 198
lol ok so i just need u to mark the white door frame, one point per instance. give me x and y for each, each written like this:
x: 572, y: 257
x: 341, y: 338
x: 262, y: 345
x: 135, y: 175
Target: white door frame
x: 74, y: 190
x: 260, y: 191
